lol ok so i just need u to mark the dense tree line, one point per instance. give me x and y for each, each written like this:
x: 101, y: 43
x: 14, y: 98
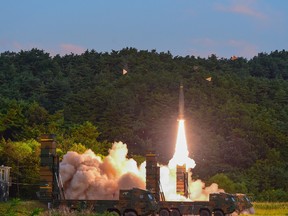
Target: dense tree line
x: 236, y: 124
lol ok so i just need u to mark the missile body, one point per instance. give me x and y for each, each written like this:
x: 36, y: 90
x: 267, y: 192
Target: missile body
x: 181, y: 103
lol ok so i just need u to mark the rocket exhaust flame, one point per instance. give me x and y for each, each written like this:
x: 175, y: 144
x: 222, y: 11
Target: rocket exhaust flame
x: 181, y: 160
x: 181, y: 150
x: 181, y: 155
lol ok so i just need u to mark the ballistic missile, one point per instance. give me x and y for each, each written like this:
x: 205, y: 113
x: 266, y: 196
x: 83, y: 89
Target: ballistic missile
x: 181, y: 103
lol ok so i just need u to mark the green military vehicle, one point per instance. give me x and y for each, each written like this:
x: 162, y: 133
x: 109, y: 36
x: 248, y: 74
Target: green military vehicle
x: 243, y: 204
x: 131, y: 203
x: 219, y: 204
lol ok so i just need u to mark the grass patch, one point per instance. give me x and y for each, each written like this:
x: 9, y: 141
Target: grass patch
x: 17, y: 207
x: 271, y: 208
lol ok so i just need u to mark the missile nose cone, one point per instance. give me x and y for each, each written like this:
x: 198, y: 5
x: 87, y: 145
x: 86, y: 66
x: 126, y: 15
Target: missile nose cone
x: 181, y: 103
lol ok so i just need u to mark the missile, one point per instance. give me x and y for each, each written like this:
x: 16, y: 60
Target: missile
x: 181, y: 103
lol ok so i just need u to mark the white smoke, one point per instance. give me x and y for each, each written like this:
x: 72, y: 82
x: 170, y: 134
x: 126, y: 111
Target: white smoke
x: 87, y: 176
x: 196, y: 188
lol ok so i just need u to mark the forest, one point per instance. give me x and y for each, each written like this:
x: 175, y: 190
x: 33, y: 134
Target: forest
x: 236, y: 113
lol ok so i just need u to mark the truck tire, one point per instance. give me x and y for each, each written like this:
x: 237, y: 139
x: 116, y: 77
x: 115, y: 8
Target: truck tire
x: 175, y: 212
x: 164, y: 212
x: 130, y: 213
x: 205, y: 212
x: 218, y: 213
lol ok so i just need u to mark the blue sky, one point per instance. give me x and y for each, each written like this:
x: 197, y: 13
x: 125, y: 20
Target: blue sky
x: 183, y: 27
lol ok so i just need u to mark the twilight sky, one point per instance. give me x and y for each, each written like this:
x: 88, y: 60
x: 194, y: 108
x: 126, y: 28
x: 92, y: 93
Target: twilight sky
x: 183, y: 27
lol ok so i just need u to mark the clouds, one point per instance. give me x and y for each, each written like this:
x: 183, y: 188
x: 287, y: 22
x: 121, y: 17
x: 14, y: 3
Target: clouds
x: 8, y: 45
x: 222, y: 27
x: 244, y: 48
x: 246, y: 8
x: 71, y: 48
x: 232, y: 27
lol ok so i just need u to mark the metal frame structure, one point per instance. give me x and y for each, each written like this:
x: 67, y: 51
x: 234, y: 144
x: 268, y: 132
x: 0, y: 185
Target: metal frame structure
x: 5, y: 182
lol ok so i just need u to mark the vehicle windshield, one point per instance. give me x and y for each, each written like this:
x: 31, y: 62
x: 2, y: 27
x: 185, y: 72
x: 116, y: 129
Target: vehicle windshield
x: 247, y: 199
x: 150, y: 196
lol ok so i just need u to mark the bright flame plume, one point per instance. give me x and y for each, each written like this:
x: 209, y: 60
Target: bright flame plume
x: 181, y: 155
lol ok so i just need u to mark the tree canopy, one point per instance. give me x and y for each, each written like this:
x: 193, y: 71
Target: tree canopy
x: 236, y: 120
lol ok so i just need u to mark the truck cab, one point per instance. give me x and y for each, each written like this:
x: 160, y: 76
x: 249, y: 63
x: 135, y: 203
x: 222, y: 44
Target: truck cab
x: 243, y: 204
x: 222, y: 203
x: 136, y: 202
x: 219, y: 204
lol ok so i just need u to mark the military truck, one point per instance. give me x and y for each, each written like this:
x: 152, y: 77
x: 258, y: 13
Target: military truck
x: 219, y: 204
x: 131, y: 203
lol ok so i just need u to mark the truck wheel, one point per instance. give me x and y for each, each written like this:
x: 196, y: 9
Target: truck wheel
x: 218, y: 213
x: 164, y: 212
x: 205, y: 213
x: 130, y: 213
x: 175, y: 212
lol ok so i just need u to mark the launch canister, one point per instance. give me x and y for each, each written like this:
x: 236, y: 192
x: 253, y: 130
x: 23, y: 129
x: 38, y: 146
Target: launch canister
x: 181, y: 103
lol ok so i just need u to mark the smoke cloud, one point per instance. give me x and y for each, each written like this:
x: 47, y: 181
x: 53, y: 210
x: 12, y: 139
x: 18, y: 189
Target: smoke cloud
x: 87, y: 176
